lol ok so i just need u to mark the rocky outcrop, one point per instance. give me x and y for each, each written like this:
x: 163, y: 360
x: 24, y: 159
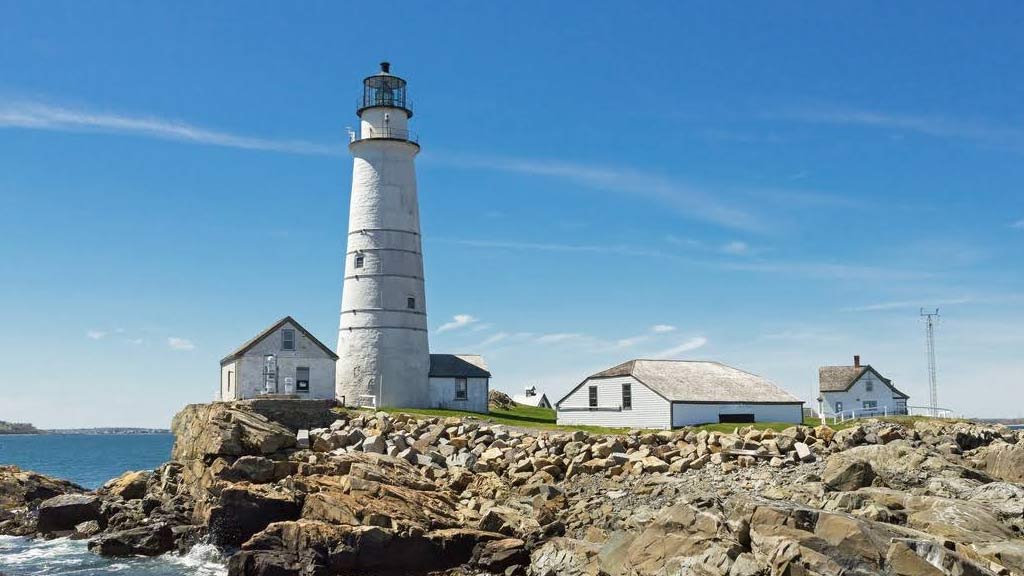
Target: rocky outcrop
x: 21, y: 493
x: 1002, y: 460
x: 380, y: 494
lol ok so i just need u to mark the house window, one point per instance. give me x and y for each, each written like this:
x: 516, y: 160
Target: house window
x: 359, y: 260
x: 410, y: 303
x: 287, y: 339
x: 627, y: 397
x: 839, y: 407
x: 461, y: 389
x: 869, y: 384
x: 593, y: 396
x: 231, y: 377
x: 870, y: 404
x: 302, y: 379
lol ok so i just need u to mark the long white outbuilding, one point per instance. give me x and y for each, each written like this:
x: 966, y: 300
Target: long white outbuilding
x: 672, y: 393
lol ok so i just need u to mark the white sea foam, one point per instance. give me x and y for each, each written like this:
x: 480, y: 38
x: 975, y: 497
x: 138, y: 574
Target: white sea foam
x: 64, y: 557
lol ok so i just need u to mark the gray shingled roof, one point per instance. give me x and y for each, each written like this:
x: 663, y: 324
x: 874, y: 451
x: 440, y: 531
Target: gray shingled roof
x: 458, y: 366
x: 701, y: 381
x: 840, y: 378
x: 238, y: 353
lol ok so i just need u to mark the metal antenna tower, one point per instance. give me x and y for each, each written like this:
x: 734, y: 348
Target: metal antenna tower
x: 930, y: 318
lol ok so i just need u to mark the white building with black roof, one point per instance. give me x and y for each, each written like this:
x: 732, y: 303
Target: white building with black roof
x: 672, y: 393
x: 459, y: 382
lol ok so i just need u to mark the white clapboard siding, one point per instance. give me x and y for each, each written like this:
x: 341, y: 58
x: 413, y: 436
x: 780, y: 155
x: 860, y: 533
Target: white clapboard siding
x: 886, y: 399
x: 442, y: 394
x: 649, y: 409
x: 684, y: 414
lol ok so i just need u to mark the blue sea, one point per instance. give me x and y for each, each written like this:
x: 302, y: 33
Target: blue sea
x: 91, y: 460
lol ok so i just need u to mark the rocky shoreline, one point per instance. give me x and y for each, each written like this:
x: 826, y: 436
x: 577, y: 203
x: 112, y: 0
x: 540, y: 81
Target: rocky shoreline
x: 378, y: 493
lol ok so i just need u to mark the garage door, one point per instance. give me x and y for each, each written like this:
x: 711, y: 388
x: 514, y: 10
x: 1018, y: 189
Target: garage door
x: 735, y: 418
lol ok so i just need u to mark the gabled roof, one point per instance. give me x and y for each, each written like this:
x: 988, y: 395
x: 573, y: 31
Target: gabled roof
x: 698, y: 382
x: 841, y: 378
x: 532, y: 400
x: 458, y: 366
x: 259, y: 338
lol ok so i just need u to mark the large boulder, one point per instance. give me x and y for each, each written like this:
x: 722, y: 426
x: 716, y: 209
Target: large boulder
x: 845, y: 474
x: 245, y: 509
x: 62, y: 513
x: 150, y: 540
x: 312, y: 547
x: 129, y: 486
x: 1003, y: 460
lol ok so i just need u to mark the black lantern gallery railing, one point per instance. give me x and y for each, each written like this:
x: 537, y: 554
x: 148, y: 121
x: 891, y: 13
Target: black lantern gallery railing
x: 384, y: 89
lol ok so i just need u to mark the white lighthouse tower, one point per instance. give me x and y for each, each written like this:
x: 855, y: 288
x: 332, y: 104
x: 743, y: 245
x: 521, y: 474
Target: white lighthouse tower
x: 383, y: 355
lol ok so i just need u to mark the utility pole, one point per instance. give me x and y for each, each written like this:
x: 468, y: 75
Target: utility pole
x: 930, y: 318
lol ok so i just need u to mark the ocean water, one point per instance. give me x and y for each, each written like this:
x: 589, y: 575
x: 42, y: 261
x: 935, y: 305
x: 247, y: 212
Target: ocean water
x: 91, y: 460
x: 86, y: 459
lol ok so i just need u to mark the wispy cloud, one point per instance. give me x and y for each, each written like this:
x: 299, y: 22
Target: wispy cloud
x: 176, y: 343
x: 96, y: 334
x: 558, y: 337
x: 692, y: 344
x: 903, y: 304
x: 44, y: 116
x: 457, y: 321
x: 812, y: 269
x: 662, y: 328
x: 1019, y: 224
x: 494, y: 339
x: 687, y: 200
x: 631, y: 341
x: 933, y: 126
x: 735, y: 248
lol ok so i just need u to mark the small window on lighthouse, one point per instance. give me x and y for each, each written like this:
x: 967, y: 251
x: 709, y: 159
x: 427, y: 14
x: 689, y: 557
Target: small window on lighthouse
x: 359, y: 260
x: 410, y: 303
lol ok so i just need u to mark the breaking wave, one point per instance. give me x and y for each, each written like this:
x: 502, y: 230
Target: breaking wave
x: 64, y: 557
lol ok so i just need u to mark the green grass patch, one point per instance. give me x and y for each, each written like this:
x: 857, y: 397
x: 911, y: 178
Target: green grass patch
x: 544, y: 419
x: 519, y: 415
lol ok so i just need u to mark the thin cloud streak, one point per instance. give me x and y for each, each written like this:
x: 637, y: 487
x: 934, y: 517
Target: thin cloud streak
x: 692, y: 344
x: 687, y: 200
x: 41, y: 116
x: 1019, y: 224
x: 882, y: 306
x: 809, y: 269
x: 934, y: 126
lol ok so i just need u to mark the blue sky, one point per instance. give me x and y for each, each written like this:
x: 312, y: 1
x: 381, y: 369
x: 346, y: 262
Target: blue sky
x: 775, y: 187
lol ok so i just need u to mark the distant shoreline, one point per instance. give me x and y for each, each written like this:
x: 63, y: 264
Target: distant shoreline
x: 86, y: 432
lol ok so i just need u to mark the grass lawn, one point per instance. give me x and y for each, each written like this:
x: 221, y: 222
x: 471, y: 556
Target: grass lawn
x: 544, y: 419
x: 519, y: 415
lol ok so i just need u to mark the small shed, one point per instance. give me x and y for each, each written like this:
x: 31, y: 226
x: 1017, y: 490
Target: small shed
x: 530, y: 397
x: 858, y: 390
x: 459, y: 382
x: 673, y: 393
x: 283, y: 359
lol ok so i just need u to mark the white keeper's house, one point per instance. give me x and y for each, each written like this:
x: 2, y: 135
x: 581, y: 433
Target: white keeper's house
x: 858, y: 390
x: 672, y: 393
x: 284, y: 359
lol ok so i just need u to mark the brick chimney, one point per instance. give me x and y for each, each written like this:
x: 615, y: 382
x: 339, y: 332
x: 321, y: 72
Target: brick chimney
x: 856, y: 361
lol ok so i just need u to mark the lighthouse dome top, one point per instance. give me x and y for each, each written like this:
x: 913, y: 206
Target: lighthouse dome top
x: 384, y: 89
